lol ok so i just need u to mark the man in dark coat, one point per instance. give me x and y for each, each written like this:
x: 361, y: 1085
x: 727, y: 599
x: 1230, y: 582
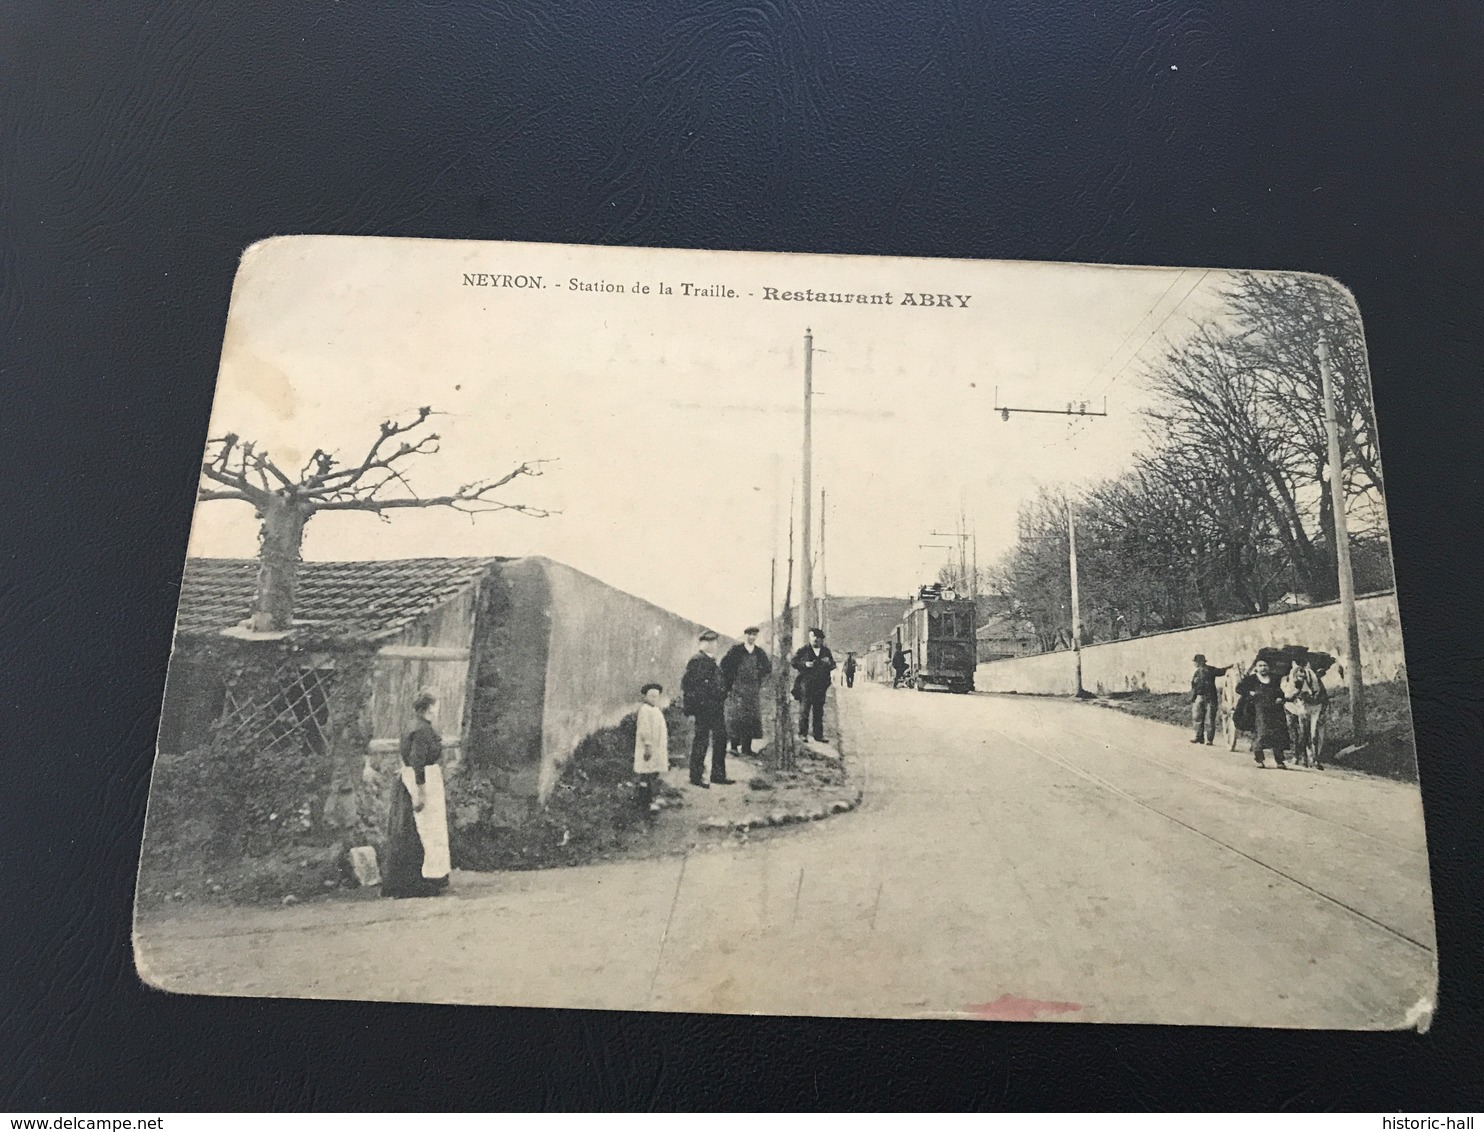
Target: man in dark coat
x: 814, y: 663
x: 1203, y: 699
x: 743, y: 670
x: 850, y: 670
x: 704, y: 696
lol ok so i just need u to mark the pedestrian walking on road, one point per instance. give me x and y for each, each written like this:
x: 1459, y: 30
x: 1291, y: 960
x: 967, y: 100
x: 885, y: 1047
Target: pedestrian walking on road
x: 416, y: 850
x: 850, y: 670
x: 651, y: 745
x: 743, y: 671
x: 1203, y: 699
x: 705, y: 700
x: 898, y: 666
x: 1270, y: 722
x: 814, y: 663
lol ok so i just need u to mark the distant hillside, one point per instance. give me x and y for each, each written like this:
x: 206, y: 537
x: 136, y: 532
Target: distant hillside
x: 858, y: 622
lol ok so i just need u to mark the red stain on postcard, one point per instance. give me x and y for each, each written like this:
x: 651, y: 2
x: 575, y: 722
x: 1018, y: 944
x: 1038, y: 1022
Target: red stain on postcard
x: 1013, y: 1008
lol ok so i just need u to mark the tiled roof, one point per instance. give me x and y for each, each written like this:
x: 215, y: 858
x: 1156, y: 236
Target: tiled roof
x: 348, y: 600
x: 1003, y: 626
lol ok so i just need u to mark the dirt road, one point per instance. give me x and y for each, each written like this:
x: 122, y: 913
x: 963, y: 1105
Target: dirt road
x: 1013, y: 858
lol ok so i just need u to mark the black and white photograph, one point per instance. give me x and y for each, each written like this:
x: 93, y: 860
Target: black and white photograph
x: 763, y: 633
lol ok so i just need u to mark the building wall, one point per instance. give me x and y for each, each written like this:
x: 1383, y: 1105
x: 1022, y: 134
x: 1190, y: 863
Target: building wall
x: 602, y: 645
x: 1161, y: 662
x: 510, y: 659
x: 195, y: 689
x: 558, y: 657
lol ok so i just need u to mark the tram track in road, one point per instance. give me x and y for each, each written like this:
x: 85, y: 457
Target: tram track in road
x: 1118, y: 791
x: 1238, y: 792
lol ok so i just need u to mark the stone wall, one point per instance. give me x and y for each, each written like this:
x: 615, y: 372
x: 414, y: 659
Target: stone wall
x: 1160, y: 662
x: 1044, y: 674
x: 558, y: 656
x: 602, y: 644
x: 509, y: 663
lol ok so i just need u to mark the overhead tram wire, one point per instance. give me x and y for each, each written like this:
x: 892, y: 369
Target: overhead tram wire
x: 1148, y: 338
x: 1194, y: 287
x: 1074, y: 427
x: 1132, y: 330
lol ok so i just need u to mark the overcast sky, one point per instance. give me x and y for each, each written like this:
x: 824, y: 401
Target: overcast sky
x: 674, y: 423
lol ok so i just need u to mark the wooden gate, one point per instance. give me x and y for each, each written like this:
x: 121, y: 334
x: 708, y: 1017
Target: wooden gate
x: 402, y: 671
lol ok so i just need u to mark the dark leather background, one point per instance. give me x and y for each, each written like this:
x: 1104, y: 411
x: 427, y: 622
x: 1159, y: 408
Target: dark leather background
x: 143, y: 145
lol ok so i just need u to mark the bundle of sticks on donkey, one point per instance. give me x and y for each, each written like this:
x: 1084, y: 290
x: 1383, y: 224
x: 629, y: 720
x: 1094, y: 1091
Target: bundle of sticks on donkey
x: 1281, y: 701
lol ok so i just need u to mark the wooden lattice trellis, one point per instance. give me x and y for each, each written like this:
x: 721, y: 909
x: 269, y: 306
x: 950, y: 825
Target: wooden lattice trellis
x: 287, y: 712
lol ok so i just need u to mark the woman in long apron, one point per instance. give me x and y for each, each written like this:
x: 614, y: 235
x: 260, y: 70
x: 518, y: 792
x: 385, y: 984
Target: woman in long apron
x: 416, y: 855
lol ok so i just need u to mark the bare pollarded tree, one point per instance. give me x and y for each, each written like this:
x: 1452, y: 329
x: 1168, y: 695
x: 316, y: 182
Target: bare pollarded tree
x: 237, y: 469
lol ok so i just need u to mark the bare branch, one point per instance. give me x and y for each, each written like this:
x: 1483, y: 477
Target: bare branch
x: 238, y: 485
x: 264, y: 462
x: 452, y: 502
x: 329, y: 480
x: 472, y: 498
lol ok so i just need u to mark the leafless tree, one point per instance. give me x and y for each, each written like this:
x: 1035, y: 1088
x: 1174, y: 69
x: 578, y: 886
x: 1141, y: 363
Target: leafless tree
x: 1213, y: 410
x: 1226, y: 507
x: 239, y: 470
x: 1034, y: 573
x: 1283, y: 317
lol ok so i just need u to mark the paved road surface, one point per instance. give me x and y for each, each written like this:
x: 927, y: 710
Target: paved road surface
x: 1014, y: 858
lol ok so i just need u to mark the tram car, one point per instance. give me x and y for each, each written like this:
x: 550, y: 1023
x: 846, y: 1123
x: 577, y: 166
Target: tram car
x: 936, y: 637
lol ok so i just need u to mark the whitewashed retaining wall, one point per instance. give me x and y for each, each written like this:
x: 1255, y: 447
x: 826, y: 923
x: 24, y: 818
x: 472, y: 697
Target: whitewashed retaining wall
x: 1160, y: 662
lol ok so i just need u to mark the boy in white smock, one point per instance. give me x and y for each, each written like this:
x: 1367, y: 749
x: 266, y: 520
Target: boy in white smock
x: 651, y: 745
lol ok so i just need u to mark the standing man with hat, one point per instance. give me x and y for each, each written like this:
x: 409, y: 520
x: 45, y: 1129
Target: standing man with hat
x: 704, y: 697
x: 814, y: 663
x: 1203, y: 699
x: 743, y: 671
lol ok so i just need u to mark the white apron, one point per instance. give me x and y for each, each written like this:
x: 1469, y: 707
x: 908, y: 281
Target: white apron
x: 432, y: 819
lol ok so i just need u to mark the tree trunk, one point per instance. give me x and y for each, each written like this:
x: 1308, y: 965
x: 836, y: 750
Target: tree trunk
x: 280, y: 538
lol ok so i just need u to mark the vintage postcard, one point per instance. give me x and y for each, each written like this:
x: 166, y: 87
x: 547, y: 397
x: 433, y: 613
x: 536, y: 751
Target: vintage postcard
x: 647, y: 629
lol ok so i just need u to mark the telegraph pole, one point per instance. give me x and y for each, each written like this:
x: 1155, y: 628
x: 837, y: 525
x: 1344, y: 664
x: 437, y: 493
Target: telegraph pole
x: 974, y: 581
x: 1076, y: 607
x: 806, y: 565
x: 1342, y: 552
x: 963, y: 548
x: 1076, y: 409
x: 824, y: 574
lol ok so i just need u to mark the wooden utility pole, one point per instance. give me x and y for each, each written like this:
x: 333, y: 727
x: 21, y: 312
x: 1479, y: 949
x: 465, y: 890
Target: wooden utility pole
x: 806, y: 565
x: 782, y: 750
x: 1076, y: 608
x: 773, y: 624
x: 1079, y: 409
x: 974, y: 578
x: 1342, y: 552
x: 775, y: 529
x: 824, y: 574
x: 963, y: 550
